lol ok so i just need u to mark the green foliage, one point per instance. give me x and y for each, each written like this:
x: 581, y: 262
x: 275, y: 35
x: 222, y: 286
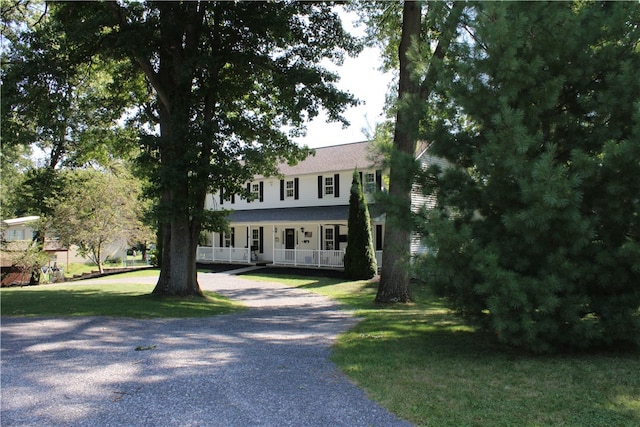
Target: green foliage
x: 537, y: 230
x: 98, y: 208
x: 28, y: 261
x: 360, y: 256
x: 225, y: 82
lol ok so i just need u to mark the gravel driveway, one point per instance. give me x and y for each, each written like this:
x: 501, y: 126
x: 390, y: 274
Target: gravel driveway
x: 267, y: 366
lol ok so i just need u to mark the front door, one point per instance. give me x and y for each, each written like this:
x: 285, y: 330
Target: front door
x: 289, y: 243
x: 290, y: 238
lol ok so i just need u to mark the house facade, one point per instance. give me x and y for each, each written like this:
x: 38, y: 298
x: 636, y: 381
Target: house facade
x: 299, y: 219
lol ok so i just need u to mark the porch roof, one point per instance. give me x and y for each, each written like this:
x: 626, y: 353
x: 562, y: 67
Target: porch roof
x: 302, y: 214
x: 320, y: 214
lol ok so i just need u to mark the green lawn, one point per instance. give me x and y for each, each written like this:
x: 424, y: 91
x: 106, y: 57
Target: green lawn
x: 109, y: 299
x: 424, y: 364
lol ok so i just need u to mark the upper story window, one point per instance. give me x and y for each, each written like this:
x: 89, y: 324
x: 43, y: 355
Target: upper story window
x: 289, y: 189
x: 369, y: 183
x: 328, y: 185
x: 256, y: 191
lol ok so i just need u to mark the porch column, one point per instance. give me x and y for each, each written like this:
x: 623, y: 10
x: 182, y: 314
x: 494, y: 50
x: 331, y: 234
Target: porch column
x: 319, y: 243
x: 213, y: 246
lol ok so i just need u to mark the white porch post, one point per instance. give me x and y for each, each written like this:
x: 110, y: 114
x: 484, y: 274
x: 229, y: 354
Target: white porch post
x: 213, y: 246
x: 249, y: 243
x: 273, y: 242
x: 319, y: 243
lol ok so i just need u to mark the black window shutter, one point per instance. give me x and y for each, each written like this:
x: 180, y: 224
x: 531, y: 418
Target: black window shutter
x: 233, y: 237
x: 296, y: 192
x: 378, y: 237
x: 233, y: 198
x: 336, y: 185
x: 248, y: 192
x: 261, y: 239
x: 336, y: 237
x: 261, y: 191
x: 221, y: 240
x: 379, y: 180
x: 282, y: 189
x: 221, y: 195
x: 247, y: 243
x: 320, y: 187
x: 321, y: 237
x: 361, y: 182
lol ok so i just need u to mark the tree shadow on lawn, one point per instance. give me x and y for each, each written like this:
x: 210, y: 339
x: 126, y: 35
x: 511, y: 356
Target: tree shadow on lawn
x: 425, y: 363
x: 135, y: 303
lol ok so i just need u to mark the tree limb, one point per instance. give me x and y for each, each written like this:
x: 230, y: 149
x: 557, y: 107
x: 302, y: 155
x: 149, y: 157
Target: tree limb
x: 144, y: 63
x: 448, y: 31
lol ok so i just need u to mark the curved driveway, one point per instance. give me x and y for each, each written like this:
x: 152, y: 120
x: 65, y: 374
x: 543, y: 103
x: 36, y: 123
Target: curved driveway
x: 267, y: 366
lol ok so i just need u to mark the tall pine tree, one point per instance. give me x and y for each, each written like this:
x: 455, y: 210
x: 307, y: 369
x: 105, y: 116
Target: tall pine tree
x: 360, y: 256
x: 537, y: 231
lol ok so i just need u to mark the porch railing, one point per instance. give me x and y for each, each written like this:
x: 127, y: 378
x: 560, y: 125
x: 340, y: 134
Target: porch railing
x: 213, y: 254
x: 309, y: 257
x: 294, y: 257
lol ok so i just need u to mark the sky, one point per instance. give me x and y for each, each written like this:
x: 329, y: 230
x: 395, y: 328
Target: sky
x: 359, y: 76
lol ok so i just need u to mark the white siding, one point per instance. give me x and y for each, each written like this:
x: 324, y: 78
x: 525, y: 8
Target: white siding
x: 307, y: 193
x: 419, y: 200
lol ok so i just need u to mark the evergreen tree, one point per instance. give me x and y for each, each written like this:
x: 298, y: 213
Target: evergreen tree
x: 360, y: 256
x: 537, y: 231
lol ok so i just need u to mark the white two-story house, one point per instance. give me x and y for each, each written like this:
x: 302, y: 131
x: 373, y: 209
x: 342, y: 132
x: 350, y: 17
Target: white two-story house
x: 301, y: 218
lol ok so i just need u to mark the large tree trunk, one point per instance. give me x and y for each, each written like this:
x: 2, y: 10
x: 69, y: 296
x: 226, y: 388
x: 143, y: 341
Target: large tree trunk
x: 178, y: 274
x: 394, y: 278
x: 179, y: 229
x: 180, y: 202
x: 412, y: 94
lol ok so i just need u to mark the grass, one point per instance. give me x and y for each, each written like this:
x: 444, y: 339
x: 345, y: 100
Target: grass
x: 426, y: 365
x: 109, y: 299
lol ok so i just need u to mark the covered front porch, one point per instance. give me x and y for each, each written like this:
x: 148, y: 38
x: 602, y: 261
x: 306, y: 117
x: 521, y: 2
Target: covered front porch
x: 299, y: 237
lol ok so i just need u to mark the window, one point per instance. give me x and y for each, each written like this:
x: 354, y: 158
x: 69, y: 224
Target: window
x: 229, y: 238
x: 15, y: 235
x: 328, y: 239
x: 289, y: 189
x: 255, y: 239
x: 369, y: 182
x: 328, y: 185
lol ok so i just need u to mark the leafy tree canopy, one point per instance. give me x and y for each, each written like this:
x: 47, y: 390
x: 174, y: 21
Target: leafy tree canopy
x: 224, y: 81
x: 99, y: 208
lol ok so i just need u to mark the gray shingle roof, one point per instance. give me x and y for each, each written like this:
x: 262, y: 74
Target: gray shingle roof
x: 336, y: 158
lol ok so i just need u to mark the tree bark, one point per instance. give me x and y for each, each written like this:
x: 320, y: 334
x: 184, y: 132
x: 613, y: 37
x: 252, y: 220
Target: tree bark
x: 412, y: 94
x: 394, y: 278
x: 179, y: 229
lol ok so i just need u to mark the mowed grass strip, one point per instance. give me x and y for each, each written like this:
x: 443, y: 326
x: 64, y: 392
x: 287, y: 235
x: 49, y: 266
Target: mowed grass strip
x: 109, y: 299
x: 426, y: 365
